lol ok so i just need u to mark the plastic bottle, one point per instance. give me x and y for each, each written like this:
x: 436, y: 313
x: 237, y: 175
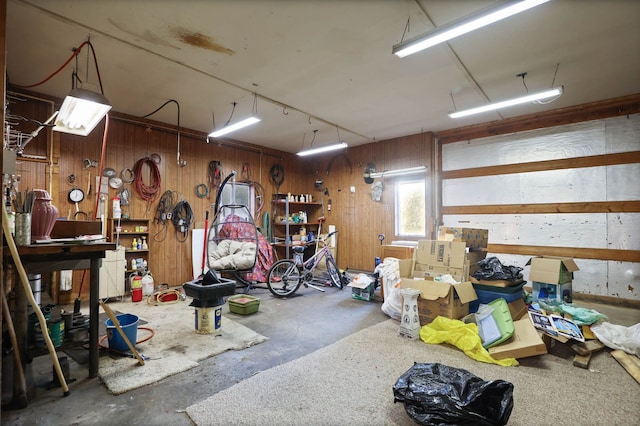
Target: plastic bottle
x: 117, y: 212
x: 145, y: 246
x: 134, y: 244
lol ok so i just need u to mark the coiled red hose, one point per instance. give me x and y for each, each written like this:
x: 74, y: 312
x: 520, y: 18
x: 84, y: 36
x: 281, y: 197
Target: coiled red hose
x: 148, y: 192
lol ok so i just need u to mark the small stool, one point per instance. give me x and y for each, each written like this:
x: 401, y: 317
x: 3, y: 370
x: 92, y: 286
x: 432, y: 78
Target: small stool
x: 410, y: 323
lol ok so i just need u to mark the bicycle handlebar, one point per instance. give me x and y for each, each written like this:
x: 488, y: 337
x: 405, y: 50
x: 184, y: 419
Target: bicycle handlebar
x: 329, y: 235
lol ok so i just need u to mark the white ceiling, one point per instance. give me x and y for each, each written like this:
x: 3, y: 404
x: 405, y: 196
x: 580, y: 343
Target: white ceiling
x: 323, y: 65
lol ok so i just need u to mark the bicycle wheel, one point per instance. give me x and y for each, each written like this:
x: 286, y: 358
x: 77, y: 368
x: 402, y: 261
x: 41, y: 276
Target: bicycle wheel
x: 283, y: 278
x: 334, y: 272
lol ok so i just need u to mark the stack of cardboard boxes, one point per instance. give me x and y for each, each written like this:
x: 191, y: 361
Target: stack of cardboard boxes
x: 457, y: 252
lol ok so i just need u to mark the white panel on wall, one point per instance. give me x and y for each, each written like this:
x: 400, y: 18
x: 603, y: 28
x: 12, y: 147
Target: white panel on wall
x: 552, y: 186
x: 623, y: 231
x: 624, y: 280
x: 622, y: 133
x: 623, y: 182
x: 574, y: 140
x: 555, y: 230
x: 591, y: 184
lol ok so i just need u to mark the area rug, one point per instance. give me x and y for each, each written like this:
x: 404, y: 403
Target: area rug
x: 174, y: 348
x: 350, y: 383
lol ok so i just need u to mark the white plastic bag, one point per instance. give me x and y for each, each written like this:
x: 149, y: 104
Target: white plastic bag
x: 389, y: 271
x: 619, y: 337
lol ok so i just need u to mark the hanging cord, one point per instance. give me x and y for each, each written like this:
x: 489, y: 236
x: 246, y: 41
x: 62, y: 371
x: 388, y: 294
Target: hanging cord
x: 179, y: 160
x: 181, y: 218
x: 202, y: 190
x: 147, y: 192
x: 215, y: 174
x: 259, y: 196
x: 164, y: 212
x: 75, y: 53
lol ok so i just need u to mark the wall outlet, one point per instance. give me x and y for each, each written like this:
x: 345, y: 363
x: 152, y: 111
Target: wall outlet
x: 353, y: 189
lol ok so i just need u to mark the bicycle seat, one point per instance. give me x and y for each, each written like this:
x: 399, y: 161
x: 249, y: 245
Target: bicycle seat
x: 298, y: 249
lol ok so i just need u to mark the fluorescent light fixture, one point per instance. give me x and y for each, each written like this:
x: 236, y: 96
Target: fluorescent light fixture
x: 233, y: 127
x: 463, y: 26
x: 399, y: 172
x: 557, y: 91
x: 325, y: 148
x: 81, y: 111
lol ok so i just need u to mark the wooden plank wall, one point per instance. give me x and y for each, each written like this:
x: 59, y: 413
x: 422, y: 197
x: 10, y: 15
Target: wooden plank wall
x: 358, y: 218
x: 129, y: 139
x: 578, y: 225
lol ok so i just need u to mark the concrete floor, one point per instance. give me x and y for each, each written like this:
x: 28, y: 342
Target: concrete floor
x: 295, y: 327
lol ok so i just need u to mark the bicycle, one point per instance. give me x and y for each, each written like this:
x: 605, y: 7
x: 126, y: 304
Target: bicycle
x: 286, y: 275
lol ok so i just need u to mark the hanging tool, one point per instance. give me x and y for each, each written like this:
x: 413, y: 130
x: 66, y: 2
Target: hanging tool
x: 276, y: 173
x: 115, y: 322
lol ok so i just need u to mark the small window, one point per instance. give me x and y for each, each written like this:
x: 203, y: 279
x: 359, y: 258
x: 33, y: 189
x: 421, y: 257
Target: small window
x: 411, y: 208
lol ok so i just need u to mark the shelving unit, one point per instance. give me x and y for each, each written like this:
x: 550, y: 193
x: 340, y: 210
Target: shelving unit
x: 130, y: 229
x: 285, y: 228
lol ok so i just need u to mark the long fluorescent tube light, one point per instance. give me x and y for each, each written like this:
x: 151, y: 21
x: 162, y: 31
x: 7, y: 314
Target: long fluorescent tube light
x: 463, y: 26
x: 81, y: 111
x: 557, y: 91
x: 322, y: 149
x: 399, y: 172
x: 236, y: 126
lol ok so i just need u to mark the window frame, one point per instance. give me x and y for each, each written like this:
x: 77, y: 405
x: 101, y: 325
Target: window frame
x: 398, y: 209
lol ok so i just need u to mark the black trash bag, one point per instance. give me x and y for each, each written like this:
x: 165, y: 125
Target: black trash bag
x: 436, y: 394
x: 491, y: 269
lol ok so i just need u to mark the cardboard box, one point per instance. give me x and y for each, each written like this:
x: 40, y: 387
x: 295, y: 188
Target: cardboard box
x: 428, y: 271
x: 434, y: 258
x: 556, y: 292
x: 517, y: 308
x: 441, y: 299
x: 551, y: 269
x: 363, y: 287
x: 525, y: 342
x: 405, y: 267
x: 451, y: 254
x: 475, y: 239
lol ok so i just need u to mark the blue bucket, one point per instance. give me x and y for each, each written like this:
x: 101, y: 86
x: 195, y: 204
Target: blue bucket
x: 129, y: 324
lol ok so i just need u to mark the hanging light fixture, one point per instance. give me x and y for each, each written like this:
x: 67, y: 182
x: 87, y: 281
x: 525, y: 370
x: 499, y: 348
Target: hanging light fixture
x: 463, y: 26
x: 321, y: 149
x: 228, y: 127
x: 399, y: 172
x: 81, y: 112
x: 533, y: 97
x: 82, y: 109
x: 333, y: 147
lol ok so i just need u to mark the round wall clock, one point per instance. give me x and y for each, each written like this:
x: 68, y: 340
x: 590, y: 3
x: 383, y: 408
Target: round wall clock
x: 76, y: 195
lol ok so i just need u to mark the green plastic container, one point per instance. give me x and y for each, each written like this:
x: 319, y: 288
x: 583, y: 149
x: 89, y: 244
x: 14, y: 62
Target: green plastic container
x: 243, y: 304
x: 503, y: 320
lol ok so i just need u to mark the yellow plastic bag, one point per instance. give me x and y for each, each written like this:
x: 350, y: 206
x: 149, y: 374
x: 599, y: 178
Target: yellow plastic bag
x: 463, y: 336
